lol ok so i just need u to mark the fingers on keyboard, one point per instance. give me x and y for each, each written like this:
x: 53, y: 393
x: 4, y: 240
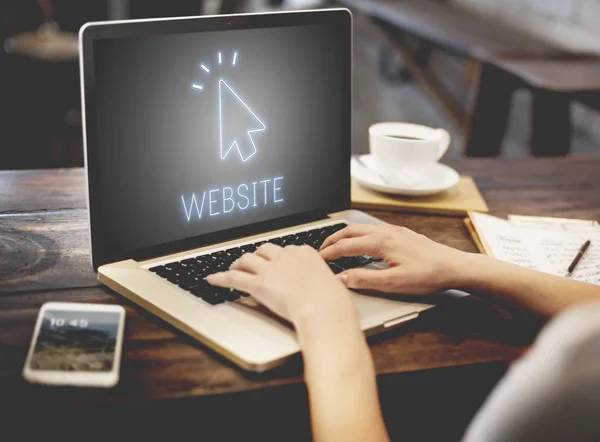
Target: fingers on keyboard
x: 189, y: 274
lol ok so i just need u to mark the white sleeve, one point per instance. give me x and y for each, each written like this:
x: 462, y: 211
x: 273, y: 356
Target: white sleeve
x: 553, y: 392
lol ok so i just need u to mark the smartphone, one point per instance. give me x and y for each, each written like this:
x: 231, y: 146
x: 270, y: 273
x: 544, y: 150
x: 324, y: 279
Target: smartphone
x: 76, y: 344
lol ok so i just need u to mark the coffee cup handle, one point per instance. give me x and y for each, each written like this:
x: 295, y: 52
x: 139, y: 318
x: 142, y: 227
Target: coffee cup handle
x: 444, y: 142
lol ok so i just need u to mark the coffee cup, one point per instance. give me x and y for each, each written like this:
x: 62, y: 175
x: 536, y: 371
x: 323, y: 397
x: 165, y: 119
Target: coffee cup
x: 404, y: 152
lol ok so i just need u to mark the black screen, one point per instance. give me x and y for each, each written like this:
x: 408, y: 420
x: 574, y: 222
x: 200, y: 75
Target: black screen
x: 203, y: 132
x: 76, y: 341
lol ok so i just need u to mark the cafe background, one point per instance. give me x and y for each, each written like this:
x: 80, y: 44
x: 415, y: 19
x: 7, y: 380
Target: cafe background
x: 40, y: 117
x: 433, y: 375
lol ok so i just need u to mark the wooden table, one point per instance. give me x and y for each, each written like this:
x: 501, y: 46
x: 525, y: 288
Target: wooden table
x: 554, y: 83
x: 437, y: 368
x: 412, y: 29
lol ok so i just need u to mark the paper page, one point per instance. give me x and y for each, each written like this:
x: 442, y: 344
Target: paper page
x: 502, y: 240
x: 542, y: 222
x: 555, y: 250
x: 547, y: 249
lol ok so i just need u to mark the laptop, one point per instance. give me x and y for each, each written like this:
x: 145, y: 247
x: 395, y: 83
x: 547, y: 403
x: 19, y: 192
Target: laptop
x: 206, y: 137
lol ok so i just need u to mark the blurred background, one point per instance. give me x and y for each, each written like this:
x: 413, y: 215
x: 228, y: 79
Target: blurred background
x: 452, y: 64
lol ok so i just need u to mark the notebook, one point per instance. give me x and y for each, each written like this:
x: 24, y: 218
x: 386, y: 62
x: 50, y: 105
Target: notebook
x: 539, y: 243
x: 457, y: 201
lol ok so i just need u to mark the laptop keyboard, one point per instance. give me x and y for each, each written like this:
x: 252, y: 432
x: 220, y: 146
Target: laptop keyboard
x: 189, y: 273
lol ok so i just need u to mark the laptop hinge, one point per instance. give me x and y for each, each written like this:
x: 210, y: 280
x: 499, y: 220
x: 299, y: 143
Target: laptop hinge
x: 228, y: 235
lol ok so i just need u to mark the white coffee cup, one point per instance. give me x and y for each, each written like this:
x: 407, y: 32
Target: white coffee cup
x: 405, y: 152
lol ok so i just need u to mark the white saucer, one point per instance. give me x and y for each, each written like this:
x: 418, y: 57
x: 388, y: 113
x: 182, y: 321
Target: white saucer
x: 438, y: 179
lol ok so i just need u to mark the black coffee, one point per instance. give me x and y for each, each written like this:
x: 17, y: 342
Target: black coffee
x: 405, y: 137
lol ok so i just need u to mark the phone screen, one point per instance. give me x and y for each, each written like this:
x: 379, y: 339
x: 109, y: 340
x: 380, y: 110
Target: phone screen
x: 71, y: 340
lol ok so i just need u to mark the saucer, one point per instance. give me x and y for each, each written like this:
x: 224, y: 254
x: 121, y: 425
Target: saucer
x: 438, y: 179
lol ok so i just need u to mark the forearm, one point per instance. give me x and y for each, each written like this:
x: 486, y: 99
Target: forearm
x: 535, y: 291
x: 341, y: 379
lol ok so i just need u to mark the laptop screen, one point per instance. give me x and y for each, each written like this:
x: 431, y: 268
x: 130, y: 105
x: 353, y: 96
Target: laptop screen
x: 199, y: 133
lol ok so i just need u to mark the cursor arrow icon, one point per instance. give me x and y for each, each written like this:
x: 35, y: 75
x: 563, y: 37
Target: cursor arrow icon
x: 237, y: 124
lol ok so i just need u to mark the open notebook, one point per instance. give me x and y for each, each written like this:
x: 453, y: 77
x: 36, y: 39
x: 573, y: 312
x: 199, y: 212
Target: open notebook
x: 546, y: 244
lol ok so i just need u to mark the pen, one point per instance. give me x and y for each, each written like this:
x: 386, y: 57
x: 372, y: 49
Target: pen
x: 582, y: 250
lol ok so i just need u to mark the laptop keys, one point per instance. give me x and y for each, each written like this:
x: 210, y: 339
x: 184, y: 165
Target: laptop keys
x: 363, y: 260
x: 209, y: 293
x: 276, y: 241
x: 335, y: 268
x: 249, y: 248
x: 352, y: 262
x: 228, y: 294
x: 188, y: 282
x: 201, y: 289
x: 212, y: 298
x: 189, y: 273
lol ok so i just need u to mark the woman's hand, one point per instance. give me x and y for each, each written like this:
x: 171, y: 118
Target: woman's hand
x: 293, y: 282
x: 296, y: 283
x: 417, y: 265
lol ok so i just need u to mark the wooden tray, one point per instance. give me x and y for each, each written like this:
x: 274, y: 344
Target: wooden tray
x: 459, y: 200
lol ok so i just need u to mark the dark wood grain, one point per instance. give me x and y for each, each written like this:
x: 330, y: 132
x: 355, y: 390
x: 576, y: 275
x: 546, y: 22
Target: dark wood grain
x: 567, y: 74
x: 568, y: 187
x: 160, y: 362
x: 42, y: 190
x: 45, y: 250
x: 44, y: 232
